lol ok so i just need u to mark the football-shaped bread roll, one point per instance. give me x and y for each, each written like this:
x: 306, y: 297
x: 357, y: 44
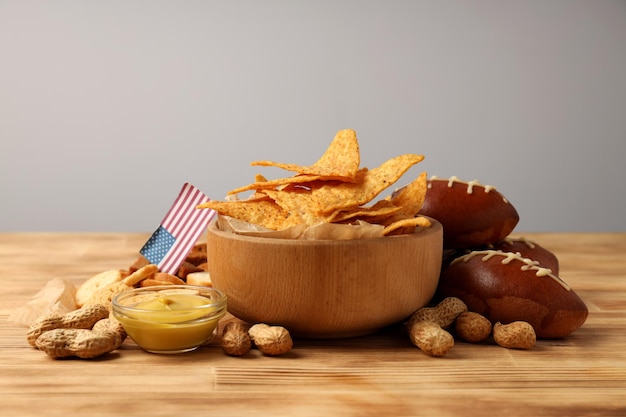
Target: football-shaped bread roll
x: 505, y: 287
x: 529, y: 249
x: 472, y: 214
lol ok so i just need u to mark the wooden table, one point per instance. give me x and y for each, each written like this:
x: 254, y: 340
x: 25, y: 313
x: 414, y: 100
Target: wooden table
x: 379, y: 375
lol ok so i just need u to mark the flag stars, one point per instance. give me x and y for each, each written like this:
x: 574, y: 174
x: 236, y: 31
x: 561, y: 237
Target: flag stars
x: 158, y: 245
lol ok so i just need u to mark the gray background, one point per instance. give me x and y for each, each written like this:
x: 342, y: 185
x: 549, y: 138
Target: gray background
x: 108, y: 107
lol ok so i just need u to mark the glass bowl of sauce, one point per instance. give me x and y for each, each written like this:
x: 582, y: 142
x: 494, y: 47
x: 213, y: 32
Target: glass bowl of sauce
x: 170, y: 318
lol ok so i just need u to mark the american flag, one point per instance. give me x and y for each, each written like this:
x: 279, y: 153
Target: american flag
x: 179, y: 231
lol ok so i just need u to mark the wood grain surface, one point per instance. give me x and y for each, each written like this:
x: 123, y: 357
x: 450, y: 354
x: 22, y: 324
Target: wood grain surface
x: 376, y: 375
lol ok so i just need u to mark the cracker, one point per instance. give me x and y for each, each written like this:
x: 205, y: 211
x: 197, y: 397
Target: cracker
x: 95, y: 283
x: 142, y: 273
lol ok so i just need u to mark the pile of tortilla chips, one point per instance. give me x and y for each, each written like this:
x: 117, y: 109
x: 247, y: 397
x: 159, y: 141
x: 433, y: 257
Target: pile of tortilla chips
x: 335, y: 190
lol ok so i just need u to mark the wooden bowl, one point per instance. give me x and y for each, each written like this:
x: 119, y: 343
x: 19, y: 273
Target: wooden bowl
x: 326, y: 288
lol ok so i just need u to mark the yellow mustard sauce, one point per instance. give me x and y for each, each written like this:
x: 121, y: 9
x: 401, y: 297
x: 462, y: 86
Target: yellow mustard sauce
x: 171, y: 323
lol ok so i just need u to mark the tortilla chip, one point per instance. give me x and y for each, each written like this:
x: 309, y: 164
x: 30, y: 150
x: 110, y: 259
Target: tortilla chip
x: 411, y: 197
x: 271, y: 184
x: 261, y: 211
x: 326, y: 197
x: 381, y: 209
x: 333, y: 190
x: 340, y: 161
x: 405, y: 226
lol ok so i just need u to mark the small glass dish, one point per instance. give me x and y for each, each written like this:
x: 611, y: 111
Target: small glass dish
x: 170, y: 318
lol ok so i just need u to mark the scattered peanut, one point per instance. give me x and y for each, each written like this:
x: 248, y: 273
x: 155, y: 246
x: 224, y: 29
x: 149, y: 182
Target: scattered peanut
x: 91, y: 330
x: 271, y: 340
x: 110, y: 324
x: 443, y: 313
x: 83, y: 318
x: 235, y: 339
x: 82, y: 343
x: 431, y: 338
x: 515, y: 335
x: 472, y: 327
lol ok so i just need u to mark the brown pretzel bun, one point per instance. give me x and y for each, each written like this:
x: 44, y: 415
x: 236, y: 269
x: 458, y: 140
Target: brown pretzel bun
x: 472, y: 214
x: 505, y: 287
x: 528, y: 249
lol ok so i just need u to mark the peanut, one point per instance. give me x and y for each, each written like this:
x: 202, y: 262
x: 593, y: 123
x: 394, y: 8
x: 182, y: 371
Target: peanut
x: 235, y: 339
x: 472, y: 327
x: 443, y: 313
x: 110, y: 324
x: 515, y: 335
x: 83, y: 318
x: 82, y: 343
x: 271, y: 340
x: 431, y: 338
